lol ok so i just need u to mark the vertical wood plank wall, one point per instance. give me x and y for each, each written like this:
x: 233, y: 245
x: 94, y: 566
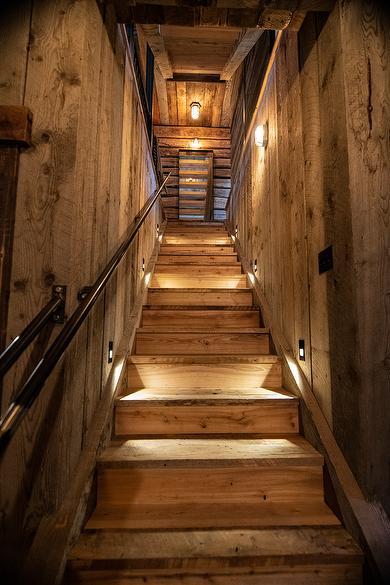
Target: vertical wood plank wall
x: 324, y: 180
x: 80, y: 185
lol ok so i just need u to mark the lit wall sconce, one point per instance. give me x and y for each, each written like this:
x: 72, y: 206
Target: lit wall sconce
x: 236, y: 231
x: 255, y: 265
x: 143, y: 264
x: 195, y: 110
x: 261, y: 135
x: 157, y: 230
x: 195, y: 143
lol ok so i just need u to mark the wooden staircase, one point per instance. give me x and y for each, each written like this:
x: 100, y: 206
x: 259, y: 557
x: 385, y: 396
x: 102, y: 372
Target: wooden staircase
x: 207, y: 480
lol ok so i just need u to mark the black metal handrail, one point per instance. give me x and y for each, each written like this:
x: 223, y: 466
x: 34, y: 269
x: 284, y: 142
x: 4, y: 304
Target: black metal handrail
x: 32, y: 387
x: 17, y: 346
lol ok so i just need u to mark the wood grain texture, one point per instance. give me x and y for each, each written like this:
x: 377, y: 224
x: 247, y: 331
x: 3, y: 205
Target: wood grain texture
x: 76, y: 198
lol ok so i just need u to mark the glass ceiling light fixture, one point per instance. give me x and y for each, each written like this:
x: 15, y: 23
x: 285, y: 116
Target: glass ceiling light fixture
x: 261, y: 135
x: 195, y: 110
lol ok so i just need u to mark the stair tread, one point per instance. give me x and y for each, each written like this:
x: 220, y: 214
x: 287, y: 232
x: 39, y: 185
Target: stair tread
x: 197, y: 516
x: 200, y: 289
x: 205, y: 359
x: 289, y: 451
x: 267, y: 545
x: 206, y: 396
x: 194, y: 330
x: 219, y: 308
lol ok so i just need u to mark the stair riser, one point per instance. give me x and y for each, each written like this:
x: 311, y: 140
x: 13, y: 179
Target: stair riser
x: 228, y: 376
x: 200, y: 260
x: 315, y: 574
x: 184, y: 269
x: 206, y: 281
x: 247, y: 484
x: 208, y: 419
x: 201, y: 343
x: 188, y: 240
x: 214, y: 298
x: 205, y: 250
x: 210, y: 319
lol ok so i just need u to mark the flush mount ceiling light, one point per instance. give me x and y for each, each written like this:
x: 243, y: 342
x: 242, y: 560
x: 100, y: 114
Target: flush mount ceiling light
x: 261, y: 135
x: 195, y: 110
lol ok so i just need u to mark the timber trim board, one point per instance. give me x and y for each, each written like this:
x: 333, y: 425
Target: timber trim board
x: 46, y: 565
x: 366, y: 521
x: 15, y: 125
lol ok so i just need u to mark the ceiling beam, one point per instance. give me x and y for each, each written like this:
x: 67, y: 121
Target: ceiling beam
x: 275, y: 14
x: 162, y: 96
x: 156, y: 42
x: 244, y: 44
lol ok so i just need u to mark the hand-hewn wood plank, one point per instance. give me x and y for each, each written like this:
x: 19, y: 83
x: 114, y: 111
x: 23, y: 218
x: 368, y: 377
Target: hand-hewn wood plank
x: 162, y: 96
x: 179, y: 343
x: 246, y: 41
x: 15, y: 124
x: 192, y: 132
x: 155, y: 40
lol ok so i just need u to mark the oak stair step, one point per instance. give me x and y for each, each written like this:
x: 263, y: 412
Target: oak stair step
x: 204, y: 269
x: 198, y: 260
x: 217, y: 471
x: 192, y: 516
x: 204, y: 371
x: 187, y: 412
x: 190, y: 224
x: 159, y: 342
x: 280, y: 556
x: 199, y: 296
x: 197, y: 249
x: 205, y: 453
x: 190, y: 239
x: 177, y: 280
x: 177, y: 316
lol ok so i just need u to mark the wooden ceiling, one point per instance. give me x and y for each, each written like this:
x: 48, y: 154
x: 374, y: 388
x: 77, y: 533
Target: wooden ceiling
x: 195, y: 65
x: 198, y: 50
x: 198, y: 46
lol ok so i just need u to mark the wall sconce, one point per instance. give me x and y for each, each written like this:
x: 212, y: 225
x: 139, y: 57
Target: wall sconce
x: 143, y: 264
x: 195, y: 143
x: 195, y: 110
x: 261, y: 135
x: 236, y: 231
x: 255, y: 265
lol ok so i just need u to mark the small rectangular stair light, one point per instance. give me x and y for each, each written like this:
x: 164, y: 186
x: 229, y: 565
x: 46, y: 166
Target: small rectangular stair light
x: 236, y: 231
x: 301, y: 346
x: 143, y: 264
x: 255, y: 265
x: 110, y: 351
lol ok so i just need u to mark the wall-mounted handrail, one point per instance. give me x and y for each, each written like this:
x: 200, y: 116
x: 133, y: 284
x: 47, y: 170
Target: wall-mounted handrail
x: 33, y: 386
x: 17, y: 346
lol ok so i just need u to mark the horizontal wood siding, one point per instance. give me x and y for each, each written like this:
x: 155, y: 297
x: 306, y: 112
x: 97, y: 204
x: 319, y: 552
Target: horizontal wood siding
x: 172, y: 139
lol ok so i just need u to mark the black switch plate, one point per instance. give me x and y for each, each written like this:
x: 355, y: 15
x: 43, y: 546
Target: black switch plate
x: 325, y: 260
